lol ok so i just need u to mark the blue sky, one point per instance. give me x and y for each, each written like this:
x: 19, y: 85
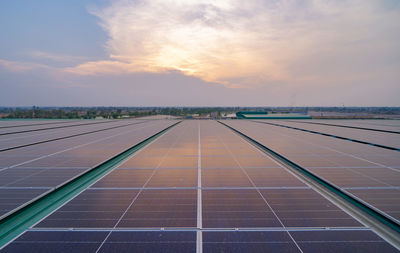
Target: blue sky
x: 200, y: 53
x: 59, y: 27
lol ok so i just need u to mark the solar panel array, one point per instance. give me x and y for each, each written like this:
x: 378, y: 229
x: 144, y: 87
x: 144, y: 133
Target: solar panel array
x: 370, y: 173
x: 377, y: 137
x: 388, y: 125
x: 200, y: 188
x: 28, y: 172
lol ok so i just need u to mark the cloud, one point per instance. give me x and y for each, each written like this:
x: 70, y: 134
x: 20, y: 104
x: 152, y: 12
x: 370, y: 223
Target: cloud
x: 56, y: 57
x: 216, y: 41
x: 176, y: 89
x: 244, y: 44
x: 279, y: 52
x: 17, y: 66
x: 114, y: 67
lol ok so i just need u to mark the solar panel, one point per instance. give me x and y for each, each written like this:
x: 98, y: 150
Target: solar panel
x: 389, y: 125
x: 25, y: 138
x: 154, y: 202
x: 120, y: 241
x: 387, y: 139
x: 51, y: 164
x: 23, y: 125
x: 342, y: 163
x: 248, y: 202
x: 10, y: 198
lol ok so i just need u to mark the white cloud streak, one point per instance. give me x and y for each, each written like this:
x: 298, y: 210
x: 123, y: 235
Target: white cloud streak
x: 20, y: 67
x: 56, y: 57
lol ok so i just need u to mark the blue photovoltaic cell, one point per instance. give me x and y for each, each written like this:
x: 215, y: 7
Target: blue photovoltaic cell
x: 75, y: 241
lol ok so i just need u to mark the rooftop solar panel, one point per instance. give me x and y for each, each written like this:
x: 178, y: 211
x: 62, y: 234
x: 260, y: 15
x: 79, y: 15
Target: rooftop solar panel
x: 120, y: 241
x: 154, y: 202
x: 382, y: 138
x: 17, y: 125
x: 50, y: 126
x: 29, y: 138
x: 390, y: 125
x: 298, y: 241
x: 339, y: 162
x: 10, y: 198
x: 47, y: 168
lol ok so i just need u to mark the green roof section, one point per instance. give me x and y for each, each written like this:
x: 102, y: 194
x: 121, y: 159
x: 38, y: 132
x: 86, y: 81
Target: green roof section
x: 266, y: 115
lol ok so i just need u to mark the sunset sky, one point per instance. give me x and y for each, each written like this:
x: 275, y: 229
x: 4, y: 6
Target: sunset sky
x: 200, y: 53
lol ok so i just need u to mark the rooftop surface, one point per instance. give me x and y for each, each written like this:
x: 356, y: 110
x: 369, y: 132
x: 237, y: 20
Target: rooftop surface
x: 200, y: 186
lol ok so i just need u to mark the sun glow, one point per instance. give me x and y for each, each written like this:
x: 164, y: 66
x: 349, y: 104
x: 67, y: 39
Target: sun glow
x: 216, y: 41
x: 231, y: 42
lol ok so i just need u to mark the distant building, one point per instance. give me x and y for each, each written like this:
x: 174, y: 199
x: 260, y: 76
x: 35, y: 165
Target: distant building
x: 229, y: 116
x: 266, y: 115
x: 214, y: 115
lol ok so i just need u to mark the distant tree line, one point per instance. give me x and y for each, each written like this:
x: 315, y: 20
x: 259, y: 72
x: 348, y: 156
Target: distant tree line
x: 122, y: 112
x: 104, y: 112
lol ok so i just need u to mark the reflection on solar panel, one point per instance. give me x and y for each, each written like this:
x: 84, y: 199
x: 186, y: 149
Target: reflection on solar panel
x: 200, y: 187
